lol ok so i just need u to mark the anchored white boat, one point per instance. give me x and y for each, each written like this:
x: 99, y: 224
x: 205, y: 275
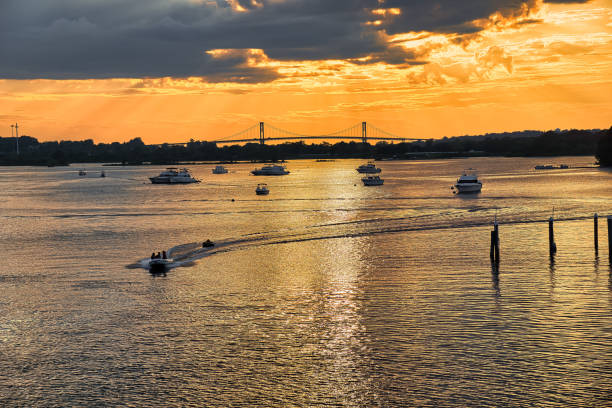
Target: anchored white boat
x: 219, y: 170
x: 372, y: 181
x: 172, y: 175
x: 262, y: 189
x: 270, y: 170
x: 369, y: 168
x: 468, y: 182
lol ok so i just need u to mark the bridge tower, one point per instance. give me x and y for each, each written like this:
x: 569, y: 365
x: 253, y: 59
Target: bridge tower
x: 261, y: 133
x: 364, y: 132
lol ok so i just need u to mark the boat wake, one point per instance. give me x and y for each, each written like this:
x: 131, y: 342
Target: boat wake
x: 187, y: 254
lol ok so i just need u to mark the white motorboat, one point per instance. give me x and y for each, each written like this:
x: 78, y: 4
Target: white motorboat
x: 372, y: 181
x: 173, y: 175
x: 270, y: 170
x: 262, y: 189
x: 219, y: 170
x: 369, y: 168
x: 468, y: 182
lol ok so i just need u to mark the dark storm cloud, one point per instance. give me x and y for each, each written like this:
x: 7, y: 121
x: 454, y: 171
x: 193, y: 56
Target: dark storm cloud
x: 64, y: 39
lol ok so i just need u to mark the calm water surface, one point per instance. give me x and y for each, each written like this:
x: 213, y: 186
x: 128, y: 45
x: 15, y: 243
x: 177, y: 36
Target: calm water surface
x: 324, y: 292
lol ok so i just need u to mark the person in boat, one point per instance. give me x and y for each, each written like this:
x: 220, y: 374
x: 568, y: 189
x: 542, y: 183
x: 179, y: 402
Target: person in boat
x: 164, y: 255
x: 152, y: 255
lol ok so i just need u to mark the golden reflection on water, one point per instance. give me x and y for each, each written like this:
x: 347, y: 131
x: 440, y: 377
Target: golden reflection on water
x: 327, y: 293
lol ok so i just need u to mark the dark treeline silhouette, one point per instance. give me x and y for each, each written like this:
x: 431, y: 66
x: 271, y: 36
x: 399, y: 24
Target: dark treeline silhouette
x: 604, y: 149
x: 529, y: 143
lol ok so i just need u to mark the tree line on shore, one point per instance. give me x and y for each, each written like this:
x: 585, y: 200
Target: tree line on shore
x: 551, y: 143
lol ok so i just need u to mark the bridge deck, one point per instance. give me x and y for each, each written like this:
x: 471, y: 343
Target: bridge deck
x: 256, y: 140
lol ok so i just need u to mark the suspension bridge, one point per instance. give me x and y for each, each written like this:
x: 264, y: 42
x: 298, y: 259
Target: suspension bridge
x: 262, y: 133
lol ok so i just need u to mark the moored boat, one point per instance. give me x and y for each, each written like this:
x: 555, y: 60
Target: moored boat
x: 270, y: 170
x: 219, y: 170
x: 468, y: 182
x: 262, y: 189
x: 551, y: 167
x: 372, y: 181
x: 369, y: 168
x: 172, y: 175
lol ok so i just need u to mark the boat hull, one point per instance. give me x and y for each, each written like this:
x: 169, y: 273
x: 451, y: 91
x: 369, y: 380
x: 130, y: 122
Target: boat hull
x: 172, y: 180
x: 369, y: 171
x: 267, y: 173
x: 468, y: 187
x: 159, y: 265
x: 372, y: 181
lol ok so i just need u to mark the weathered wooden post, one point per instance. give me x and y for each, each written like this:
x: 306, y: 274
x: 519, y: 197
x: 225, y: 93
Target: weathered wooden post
x: 496, y: 230
x: 492, y: 250
x: 610, y: 238
x: 595, y: 232
x: 552, y: 247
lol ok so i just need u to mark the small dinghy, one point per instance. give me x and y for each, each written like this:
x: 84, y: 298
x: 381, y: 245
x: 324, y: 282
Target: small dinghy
x: 262, y: 189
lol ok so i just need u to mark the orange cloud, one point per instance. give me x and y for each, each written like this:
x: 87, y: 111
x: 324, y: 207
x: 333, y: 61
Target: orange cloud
x: 512, y: 74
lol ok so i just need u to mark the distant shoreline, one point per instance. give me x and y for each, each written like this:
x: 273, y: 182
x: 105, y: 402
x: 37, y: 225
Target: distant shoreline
x: 135, y: 152
x: 545, y: 159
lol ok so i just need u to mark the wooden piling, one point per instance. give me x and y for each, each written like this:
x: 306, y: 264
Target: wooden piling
x: 492, y: 250
x: 595, y: 232
x: 496, y: 231
x: 552, y: 247
x: 610, y: 237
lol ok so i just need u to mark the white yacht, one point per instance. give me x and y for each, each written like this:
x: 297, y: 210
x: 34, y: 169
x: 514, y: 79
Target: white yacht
x: 262, y: 189
x: 372, y: 181
x: 369, y: 168
x: 173, y: 175
x: 468, y: 182
x: 270, y: 170
x: 219, y: 170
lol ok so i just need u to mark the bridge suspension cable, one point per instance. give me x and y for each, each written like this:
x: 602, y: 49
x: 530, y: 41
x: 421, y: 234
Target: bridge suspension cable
x: 376, y: 132
x: 261, y: 133
x: 249, y: 133
x: 276, y: 133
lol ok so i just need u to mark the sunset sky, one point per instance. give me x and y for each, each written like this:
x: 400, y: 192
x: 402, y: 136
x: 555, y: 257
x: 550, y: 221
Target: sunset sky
x: 174, y: 70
